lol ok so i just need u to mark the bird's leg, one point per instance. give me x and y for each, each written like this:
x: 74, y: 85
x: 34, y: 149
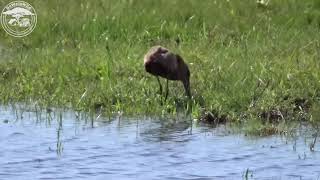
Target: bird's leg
x: 186, y: 85
x: 160, y: 86
x: 167, y: 90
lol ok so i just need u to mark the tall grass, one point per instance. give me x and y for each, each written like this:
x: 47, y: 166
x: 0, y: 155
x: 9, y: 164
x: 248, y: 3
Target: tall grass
x: 244, y: 59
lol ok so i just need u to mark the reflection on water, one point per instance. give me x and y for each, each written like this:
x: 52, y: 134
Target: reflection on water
x: 66, y: 145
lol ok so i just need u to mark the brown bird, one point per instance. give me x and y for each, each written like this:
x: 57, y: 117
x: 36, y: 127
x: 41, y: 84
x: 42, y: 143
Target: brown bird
x: 159, y: 61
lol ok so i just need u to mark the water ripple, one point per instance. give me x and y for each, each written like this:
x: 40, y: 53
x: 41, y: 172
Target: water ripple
x: 145, y: 149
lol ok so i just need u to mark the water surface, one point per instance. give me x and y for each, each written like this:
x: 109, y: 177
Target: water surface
x: 63, y: 146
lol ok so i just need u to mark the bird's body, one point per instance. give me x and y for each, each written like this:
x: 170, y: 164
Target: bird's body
x: 159, y: 61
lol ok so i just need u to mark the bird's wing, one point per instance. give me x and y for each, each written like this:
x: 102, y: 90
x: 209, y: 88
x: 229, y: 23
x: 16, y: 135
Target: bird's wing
x: 169, y: 61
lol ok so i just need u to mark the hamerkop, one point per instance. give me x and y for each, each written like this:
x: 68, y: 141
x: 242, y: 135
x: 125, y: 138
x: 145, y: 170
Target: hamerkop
x: 159, y: 61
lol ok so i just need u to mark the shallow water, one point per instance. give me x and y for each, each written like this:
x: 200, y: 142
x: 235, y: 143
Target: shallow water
x: 62, y: 146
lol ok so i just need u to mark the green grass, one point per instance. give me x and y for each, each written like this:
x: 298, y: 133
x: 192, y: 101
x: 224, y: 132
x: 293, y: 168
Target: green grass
x: 244, y: 60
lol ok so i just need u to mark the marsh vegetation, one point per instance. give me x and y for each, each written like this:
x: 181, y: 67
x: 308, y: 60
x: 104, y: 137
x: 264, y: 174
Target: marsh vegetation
x: 251, y: 64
